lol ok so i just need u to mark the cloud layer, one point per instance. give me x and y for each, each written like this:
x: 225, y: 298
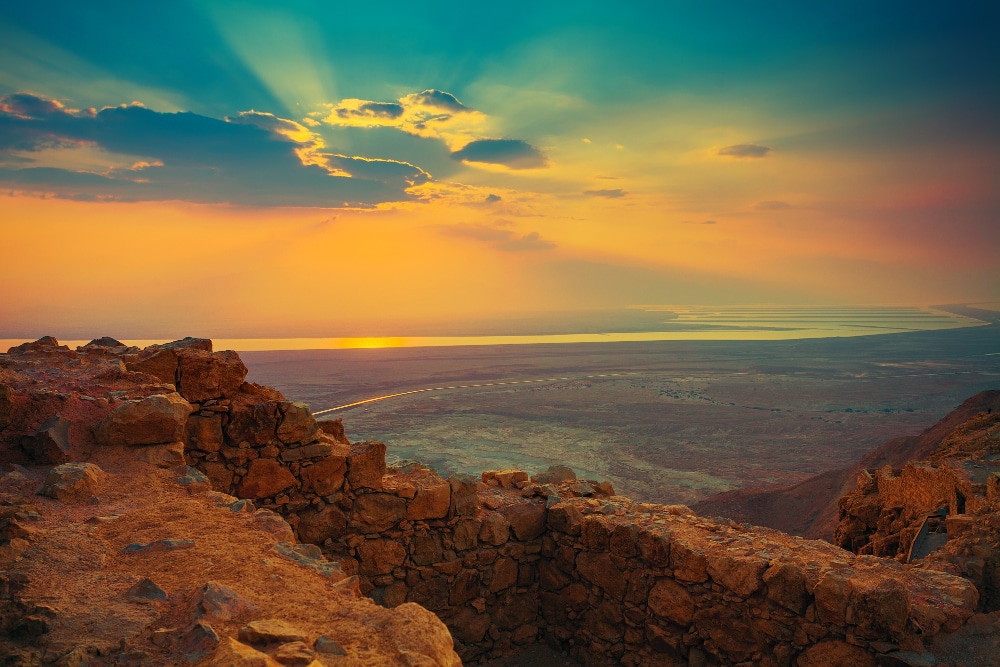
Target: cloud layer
x: 512, y: 153
x: 253, y: 158
x: 745, y: 150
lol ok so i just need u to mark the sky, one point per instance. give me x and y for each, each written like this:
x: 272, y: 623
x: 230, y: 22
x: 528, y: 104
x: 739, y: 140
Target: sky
x: 252, y: 169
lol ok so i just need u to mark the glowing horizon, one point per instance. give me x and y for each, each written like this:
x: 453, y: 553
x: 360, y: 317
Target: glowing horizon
x: 291, y: 173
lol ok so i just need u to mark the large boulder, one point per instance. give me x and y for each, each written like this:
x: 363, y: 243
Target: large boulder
x: 740, y: 574
x: 153, y: 420
x: 672, y: 601
x: 432, y: 500
x: 205, y: 375
x: 73, y: 482
x: 464, y: 494
x: 265, y: 478
x: 380, y: 556
x: 50, y: 443
x: 527, y: 519
x: 204, y: 432
x: 254, y: 423
x: 297, y: 423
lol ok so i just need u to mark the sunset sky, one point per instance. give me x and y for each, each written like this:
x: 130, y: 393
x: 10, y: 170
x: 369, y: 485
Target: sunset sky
x: 243, y: 169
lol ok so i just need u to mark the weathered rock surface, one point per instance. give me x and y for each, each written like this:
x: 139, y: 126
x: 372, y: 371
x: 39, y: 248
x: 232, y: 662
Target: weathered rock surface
x: 153, y: 420
x: 265, y: 478
x: 50, y: 444
x: 204, y: 375
x: 297, y: 423
x: 73, y: 482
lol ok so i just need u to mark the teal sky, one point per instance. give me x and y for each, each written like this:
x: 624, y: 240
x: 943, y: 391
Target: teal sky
x: 644, y: 152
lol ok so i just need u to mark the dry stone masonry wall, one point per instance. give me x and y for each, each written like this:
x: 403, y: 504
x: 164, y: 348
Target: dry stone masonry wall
x: 507, y: 560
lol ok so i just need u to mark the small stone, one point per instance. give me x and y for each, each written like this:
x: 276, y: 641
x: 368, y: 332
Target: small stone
x: 243, y: 506
x: 158, y: 546
x: 161, y: 636
x: 216, y: 601
x: 145, y: 589
x: 199, y: 641
x: 50, y: 443
x: 326, y: 645
x: 232, y: 653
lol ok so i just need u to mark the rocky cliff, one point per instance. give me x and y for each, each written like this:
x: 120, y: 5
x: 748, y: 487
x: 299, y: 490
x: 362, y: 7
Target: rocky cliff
x: 207, y: 519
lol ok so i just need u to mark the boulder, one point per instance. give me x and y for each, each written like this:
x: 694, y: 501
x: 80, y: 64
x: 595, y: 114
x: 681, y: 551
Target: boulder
x: 271, y: 631
x: 6, y: 406
x: 504, y: 574
x: 380, y: 556
x: 375, y: 512
x: 50, y: 443
x: 273, y: 524
x: 466, y: 534
x: 324, y: 477
x: 687, y: 562
x: 432, y: 501
x: 264, y: 479
x: 153, y: 420
x: 312, y: 451
x: 672, y: 601
x: 427, y: 550
x: 294, y: 654
x: 297, y: 423
x: 157, y: 362
x: 186, y: 343
x: 464, y: 494
x: 366, y: 465
x: 205, y: 375
x: 315, y: 527
x: 146, y: 589
x: 565, y: 518
x: 198, y: 642
x: 73, y: 482
x: 527, y: 519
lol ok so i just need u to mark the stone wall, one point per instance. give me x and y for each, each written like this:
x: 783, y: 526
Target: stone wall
x: 506, y: 560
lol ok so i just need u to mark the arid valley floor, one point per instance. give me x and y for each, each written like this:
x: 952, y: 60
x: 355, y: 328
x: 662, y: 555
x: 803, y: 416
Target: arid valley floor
x: 669, y: 421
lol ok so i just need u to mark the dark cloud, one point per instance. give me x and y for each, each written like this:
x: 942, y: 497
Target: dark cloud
x: 253, y: 159
x: 512, y: 153
x: 771, y: 205
x: 498, y: 238
x: 703, y: 222
x: 493, y: 198
x: 373, y: 110
x: 441, y: 100
x: 745, y: 150
x: 609, y: 194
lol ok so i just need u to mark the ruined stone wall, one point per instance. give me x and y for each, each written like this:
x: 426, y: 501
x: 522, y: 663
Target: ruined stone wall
x: 506, y: 560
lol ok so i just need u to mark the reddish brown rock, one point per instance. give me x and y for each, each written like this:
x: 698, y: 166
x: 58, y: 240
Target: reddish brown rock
x: 216, y: 601
x: 270, y: 631
x: 253, y: 423
x: 220, y: 477
x: 595, y: 533
x: 153, y: 420
x: 50, y: 443
x: 294, y: 654
x: 880, y: 607
x: 740, y: 574
x: 426, y: 549
x: 504, y: 575
x: 297, y: 423
x: 672, y: 601
x: 366, y: 465
x: 554, y: 475
x: 469, y: 626
x: 315, y: 527
x: 654, y: 547
x: 464, y: 495
x: 565, y: 518
x: 465, y: 587
x: 158, y: 362
x: 624, y: 540
x: 527, y: 519
x: 598, y: 569
x: 335, y: 429
x: 205, y: 375
x: 495, y: 530
x: 688, y: 562
x: 73, y: 482
x: 786, y: 586
x: 375, y: 512
x: 835, y: 654
x: 466, y: 535
x: 204, y: 433
x: 431, y: 501
x: 326, y: 476
x: 264, y: 479
x: 430, y: 593
x: 832, y: 593
x: 232, y: 653
x: 380, y: 556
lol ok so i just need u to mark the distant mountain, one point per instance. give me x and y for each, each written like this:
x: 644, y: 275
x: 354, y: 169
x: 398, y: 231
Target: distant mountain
x: 809, y: 508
